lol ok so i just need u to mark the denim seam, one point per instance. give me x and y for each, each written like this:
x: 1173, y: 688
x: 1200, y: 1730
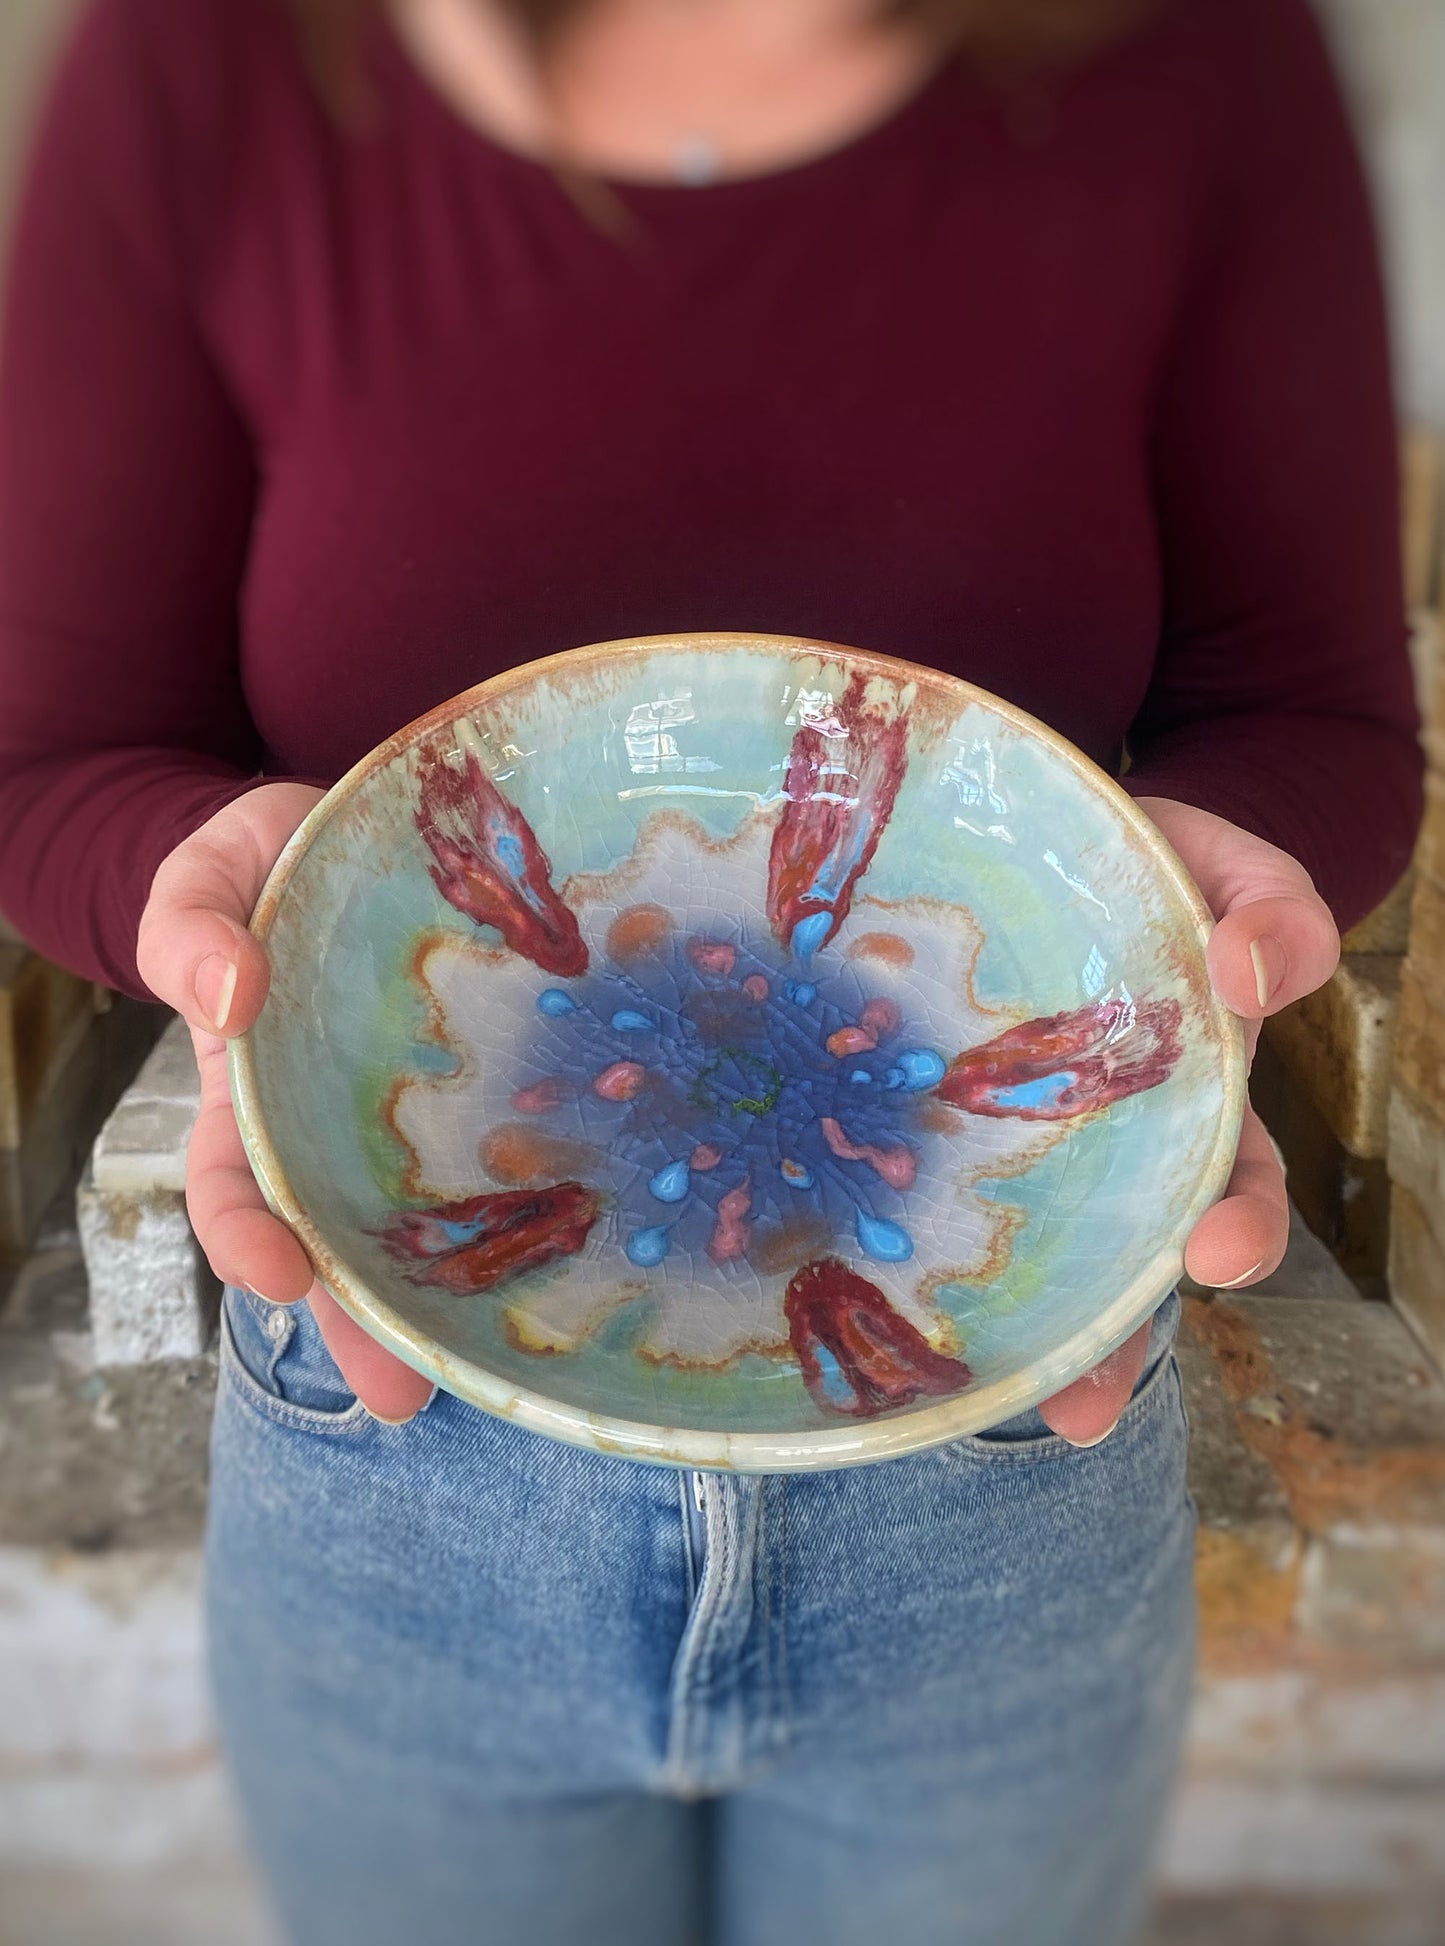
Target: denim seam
x: 765, y: 1571
x: 684, y: 1498
x: 300, y: 1418
x: 1036, y: 1452
x: 784, y: 1697
x: 773, y: 1636
x: 689, y: 1674
x: 265, y: 1313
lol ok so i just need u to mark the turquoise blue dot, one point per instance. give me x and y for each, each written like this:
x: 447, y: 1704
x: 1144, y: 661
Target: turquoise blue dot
x: 627, y: 1021
x: 648, y: 1247
x: 860, y: 1075
x: 795, y: 1173
x: 556, y: 1003
x: 669, y: 1185
x: 884, y: 1242
x: 921, y: 1068
x: 893, y: 1078
x: 802, y: 992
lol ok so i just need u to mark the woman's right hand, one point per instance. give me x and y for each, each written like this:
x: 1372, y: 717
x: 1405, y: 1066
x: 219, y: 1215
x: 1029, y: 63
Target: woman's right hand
x: 196, y: 954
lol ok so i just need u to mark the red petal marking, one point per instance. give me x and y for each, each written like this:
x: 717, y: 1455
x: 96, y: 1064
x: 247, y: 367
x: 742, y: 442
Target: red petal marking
x: 732, y: 1232
x: 885, y: 1360
x: 851, y: 1040
x: 898, y: 1167
x: 704, y: 1157
x: 543, y: 1095
x: 621, y: 1081
x: 489, y: 865
x: 755, y: 987
x: 517, y: 1230
x: 833, y: 818
x: 1102, y: 1053
x: 712, y: 956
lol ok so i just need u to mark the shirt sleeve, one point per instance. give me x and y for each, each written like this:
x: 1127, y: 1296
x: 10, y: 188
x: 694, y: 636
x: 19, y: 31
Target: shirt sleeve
x: 126, y: 486
x: 1283, y: 697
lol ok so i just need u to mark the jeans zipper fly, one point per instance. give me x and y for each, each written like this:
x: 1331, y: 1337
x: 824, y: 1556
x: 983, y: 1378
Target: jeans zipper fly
x: 697, y: 1522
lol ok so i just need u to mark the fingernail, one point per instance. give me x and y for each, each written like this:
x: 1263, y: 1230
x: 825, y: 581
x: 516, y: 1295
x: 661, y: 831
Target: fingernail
x: 1244, y: 1276
x: 1267, y: 957
x: 216, y: 989
x: 407, y: 1417
x: 1082, y: 1445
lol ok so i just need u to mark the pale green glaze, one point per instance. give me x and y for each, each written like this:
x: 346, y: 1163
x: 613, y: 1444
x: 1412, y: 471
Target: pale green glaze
x: 1073, y: 893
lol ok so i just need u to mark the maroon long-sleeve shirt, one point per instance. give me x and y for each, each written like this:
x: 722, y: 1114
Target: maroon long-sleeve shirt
x: 1078, y: 390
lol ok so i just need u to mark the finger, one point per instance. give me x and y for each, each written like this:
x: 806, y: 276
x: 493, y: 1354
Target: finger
x: 389, y: 1389
x: 1086, y: 1412
x: 1266, y: 952
x: 1275, y: 939
x: 1243, y: 1237
x: 194, y: 950
x: 244, y: 1243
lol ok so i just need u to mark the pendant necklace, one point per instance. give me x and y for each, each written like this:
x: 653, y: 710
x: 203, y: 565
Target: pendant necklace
x: 696, y: 161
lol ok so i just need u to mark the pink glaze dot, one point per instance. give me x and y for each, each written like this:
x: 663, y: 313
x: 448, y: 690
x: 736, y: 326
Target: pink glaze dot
x: 621, y: 1081
x: 880, y: 1017
x: 712, y: 956
x: 755, y: 987
x: 897, y: 1167
x: 732, y: 1233
x: 704, y: 1157
x: 541, y: 1096
x: 851, y: 1040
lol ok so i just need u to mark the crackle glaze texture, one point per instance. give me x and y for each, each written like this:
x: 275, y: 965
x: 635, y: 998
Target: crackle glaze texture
x: 738, y: 1050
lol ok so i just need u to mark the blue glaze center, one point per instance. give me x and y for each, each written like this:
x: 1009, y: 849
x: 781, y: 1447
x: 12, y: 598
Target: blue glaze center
x: 740, y: 1101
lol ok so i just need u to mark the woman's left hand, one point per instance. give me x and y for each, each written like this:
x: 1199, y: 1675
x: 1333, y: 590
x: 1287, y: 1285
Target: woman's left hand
x: 1275, y: 942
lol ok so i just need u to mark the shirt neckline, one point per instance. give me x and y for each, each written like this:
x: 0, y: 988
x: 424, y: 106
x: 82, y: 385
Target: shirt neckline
x: 867, y: 145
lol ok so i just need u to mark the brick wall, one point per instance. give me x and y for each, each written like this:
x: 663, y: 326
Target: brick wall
x: 1416, y: 1123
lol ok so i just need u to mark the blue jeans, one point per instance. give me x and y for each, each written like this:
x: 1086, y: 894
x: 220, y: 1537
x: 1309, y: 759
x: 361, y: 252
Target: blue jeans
x: 480, y: 1689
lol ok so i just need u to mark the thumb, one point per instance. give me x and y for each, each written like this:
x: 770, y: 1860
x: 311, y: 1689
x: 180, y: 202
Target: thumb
x: 1267, y: 952
x: 1275, y: 939
x: 194, y: 951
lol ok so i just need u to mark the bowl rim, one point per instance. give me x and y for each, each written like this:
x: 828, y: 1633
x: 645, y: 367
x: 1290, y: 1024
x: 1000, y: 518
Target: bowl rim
x: 911, y: 1431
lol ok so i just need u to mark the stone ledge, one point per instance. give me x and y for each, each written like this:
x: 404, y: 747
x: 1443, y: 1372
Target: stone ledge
x: 93, y: 1459
x: 152, y: 1296
x: 1228, y: 1834
x: 1344, y: 1198
x: 1417, y: 1270
x: 1293, y: 1722
x: 1339, y: 1045
x: 101, y: 1659
x: 142, y: 1148
x: 1318, y: 1468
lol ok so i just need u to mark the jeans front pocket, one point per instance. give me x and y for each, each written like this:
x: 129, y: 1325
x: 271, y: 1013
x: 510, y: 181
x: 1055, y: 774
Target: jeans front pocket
x: 1027, y: 1438
x: 276, y: 1360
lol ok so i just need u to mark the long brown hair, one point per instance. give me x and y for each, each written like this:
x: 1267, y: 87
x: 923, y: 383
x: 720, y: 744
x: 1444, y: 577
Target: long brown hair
x: 1003, y: 34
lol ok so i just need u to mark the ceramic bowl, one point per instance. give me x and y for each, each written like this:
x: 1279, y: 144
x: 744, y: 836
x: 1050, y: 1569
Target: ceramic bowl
x: 738, y: 1051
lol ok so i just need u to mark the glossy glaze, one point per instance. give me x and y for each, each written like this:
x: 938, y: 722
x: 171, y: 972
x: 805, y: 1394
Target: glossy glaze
x: 740, y: 1051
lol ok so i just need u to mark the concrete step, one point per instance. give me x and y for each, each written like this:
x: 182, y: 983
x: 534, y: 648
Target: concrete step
x: 1316, y: 1757
x: 1299, y: 1922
